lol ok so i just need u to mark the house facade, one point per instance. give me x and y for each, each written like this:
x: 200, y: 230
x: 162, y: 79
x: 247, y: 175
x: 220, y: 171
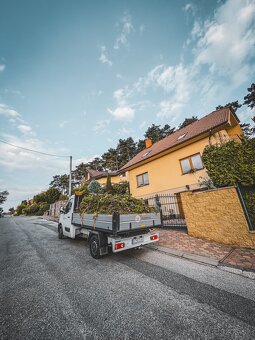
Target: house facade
x: 101, y: 176
x: 174, y: 164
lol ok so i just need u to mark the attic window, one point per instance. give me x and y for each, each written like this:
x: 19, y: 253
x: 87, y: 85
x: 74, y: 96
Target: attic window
x: 181, y: 136
x: 146, y: 154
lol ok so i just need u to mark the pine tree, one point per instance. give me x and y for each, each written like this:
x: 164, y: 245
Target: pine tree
x: 188, y: 121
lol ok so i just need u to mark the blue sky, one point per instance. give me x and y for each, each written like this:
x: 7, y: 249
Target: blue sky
x: 75, y: 76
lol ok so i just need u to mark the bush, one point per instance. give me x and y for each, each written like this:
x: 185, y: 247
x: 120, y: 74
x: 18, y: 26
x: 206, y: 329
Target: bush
x: 249, y: 199
x: 108, y: 204
x: 94, y: 187
x: 36, y: 209
x: 231, y: 163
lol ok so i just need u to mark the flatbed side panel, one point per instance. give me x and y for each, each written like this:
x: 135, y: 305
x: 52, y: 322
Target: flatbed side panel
x: 102, y: 222
x: 139, y: 221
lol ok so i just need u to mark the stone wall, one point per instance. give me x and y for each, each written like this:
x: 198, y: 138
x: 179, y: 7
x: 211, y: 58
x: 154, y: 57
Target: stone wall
x: 54, y: 210
x: 217, y: 215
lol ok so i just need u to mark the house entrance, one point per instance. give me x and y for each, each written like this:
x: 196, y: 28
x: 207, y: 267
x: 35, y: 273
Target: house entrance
x: 171, y: 209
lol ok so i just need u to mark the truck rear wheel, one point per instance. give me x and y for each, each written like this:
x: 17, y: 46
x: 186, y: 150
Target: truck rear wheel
x: 94, y: 247
x: 60, y: 232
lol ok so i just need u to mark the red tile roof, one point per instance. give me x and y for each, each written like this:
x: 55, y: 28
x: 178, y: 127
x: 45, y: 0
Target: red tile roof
x: 99, y: 174
x: 211, y: 121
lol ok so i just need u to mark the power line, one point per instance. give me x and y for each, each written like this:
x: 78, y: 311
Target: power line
x: 35, y: 151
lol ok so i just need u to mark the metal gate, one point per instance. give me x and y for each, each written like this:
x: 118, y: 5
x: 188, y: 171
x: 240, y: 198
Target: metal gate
x: 171, y: 210
x: 247, y: 199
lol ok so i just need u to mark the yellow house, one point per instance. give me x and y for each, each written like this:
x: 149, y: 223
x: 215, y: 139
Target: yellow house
x: 174, y: 164
x: 101, y: 176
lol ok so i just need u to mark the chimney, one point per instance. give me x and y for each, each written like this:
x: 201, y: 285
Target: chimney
x: 148, y: 143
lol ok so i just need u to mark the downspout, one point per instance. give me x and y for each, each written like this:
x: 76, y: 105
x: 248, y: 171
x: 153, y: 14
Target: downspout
x: 210, y: 135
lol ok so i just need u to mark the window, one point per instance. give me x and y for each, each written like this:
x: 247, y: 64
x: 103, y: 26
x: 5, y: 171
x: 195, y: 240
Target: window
x: 181, y: 136
x: 191, y: 163
x: 147, y: 153
x: 142, y: 179
x: 68, y: 207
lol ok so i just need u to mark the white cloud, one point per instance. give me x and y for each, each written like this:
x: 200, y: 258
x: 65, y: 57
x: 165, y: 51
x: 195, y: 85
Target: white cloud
x: 120, y: 96
x: 2, y: 67
x: 8, y: 112
x: 101, y: 126
x: 141, y: 28
x: 170, y: 108
x: 119, y: 76
x: 142, y: 125
x: 25, y: 129
x: 124, y: 131
x: 126, y: 29
x: 222, y: 50
x: 226, y: 45
x: 104, y: 57
x: 189, y: 8
x: 246, y: 114
x: 14, y: 158
x: 125, y: 113
x: 62, y: 124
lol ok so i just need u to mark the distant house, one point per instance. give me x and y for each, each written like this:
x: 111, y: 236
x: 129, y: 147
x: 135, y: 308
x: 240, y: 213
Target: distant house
x: 101, y: 176
x: 174, y: 164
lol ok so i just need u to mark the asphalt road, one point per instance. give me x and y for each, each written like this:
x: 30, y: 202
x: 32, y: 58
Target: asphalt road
x: 53, y: 289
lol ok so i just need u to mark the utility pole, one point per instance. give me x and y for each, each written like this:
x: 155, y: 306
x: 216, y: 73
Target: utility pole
x: 70, y: 177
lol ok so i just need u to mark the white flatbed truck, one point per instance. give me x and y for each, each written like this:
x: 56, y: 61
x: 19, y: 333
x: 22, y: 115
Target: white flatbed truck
x: 116, y: 232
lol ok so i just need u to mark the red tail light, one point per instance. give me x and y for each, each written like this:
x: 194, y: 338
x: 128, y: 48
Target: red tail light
x: 119, y: 245
x: 154, y: 237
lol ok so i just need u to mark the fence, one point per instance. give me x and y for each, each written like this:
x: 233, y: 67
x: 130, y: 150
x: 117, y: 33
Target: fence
x: 247, y: 198
x: 171, y: 209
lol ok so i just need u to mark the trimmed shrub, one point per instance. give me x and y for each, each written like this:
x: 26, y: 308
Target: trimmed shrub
x: 94, y: 187
x: 108, y: 204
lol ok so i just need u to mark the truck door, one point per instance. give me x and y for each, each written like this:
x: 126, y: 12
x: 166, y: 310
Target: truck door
x: 67, y: 218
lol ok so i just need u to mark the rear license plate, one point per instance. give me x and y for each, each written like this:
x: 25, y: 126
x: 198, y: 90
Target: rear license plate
x: 137, y: 240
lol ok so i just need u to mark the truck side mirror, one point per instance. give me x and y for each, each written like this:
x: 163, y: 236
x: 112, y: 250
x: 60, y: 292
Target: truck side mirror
x: 62, y: 210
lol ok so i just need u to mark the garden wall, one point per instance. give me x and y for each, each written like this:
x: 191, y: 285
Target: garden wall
x: 217, y: 215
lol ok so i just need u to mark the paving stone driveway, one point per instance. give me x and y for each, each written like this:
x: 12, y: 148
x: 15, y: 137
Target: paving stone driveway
x: 235, y: 256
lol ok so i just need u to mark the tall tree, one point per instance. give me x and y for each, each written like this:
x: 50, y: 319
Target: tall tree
x: 52, y: 195
x: 97, y: 164
x: 248, y: 130
x: 3, y: 196
x: 126, y: 149
x: 166, y: 131
x: 249, y: 99
x: 79, y: 173
x: 140, y: 145
x: 234, y: 105
x: 110, y: 160
x: 60, y: 182
x: 188, y: 121
x: 156, y: 133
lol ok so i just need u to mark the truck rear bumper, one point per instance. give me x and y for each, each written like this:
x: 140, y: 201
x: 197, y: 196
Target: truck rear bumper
x: 125, y: 243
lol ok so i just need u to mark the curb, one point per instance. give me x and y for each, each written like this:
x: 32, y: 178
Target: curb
x: 203, y: 260
x: 238, y: 271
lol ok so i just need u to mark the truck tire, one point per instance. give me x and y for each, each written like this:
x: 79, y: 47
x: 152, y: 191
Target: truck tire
x: 94, y: 247
x: 60, y: 232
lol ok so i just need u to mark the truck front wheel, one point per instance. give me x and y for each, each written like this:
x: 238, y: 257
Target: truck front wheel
x: 60, y: 232
x: 94, y: 247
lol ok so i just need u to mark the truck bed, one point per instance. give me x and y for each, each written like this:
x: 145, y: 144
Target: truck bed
x: 117, y: 223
